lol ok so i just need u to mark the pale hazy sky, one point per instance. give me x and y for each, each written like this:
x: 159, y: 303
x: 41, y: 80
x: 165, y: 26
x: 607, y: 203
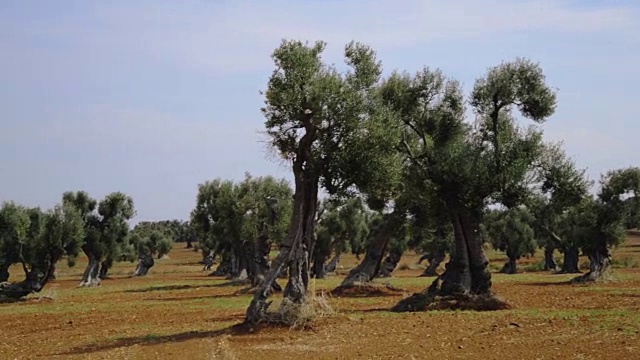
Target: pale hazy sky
x: 153, y: 97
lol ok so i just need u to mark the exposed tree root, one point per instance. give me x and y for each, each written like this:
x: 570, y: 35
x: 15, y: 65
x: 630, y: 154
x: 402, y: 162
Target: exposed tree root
x: 366, y: 290
x: 425, y: 302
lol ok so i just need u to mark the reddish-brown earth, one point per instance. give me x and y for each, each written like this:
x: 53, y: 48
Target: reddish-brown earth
x: 177, y: 312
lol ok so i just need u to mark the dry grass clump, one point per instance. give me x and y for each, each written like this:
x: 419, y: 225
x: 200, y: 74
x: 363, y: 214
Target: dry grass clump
x: 301, y: 315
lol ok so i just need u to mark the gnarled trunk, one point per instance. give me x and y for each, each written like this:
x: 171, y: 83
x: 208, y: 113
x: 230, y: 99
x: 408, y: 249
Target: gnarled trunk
x: 369, y: 267
x: 599, y: 262
x: 34, y: 282
x: 259, y: 264
x: 145, y: 262
x: 299, y: 242
x: 239, y: 265
x: 333, y: 264
x: 389, y: 264
x: 319, y: 267
x: 466, y: 278
x: 571, y: 258
x: 435, y: 259
x: 510, y: 267
x: 224, y: 268
x: 91, y: 277
x: 105, y: 266
x: 549, y: 261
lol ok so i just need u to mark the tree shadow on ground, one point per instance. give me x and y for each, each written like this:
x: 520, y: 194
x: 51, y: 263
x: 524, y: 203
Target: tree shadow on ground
x: 188, y: 298
x: 239, y: 329
x: 547, y: 283
x: 371, y: 310
x: 169, y: 288
x: 367, y: 290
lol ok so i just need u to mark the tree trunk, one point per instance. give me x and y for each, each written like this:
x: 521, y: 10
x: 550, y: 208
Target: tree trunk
x: 224, y: 268
x: 599, y: 263
x: 467, y: 272
x: 34, y: 282
x: 549, y: 261
x: 189, y: 244
x: 369, y: 267
x: 319, y: 267
x: 4, y: 272
x: 434, y: 262
x: 571, y: 259
x: 296, y: 288
x: 90, y: 276
x: 296, y: 246
x: 145, y: 262
x: 259, y: 265
x: 333, y: 264
x: 239, y: 265
x: 510, y: 267
x: 389, y: 264
x: 466, y: 282
x: 105, y: 266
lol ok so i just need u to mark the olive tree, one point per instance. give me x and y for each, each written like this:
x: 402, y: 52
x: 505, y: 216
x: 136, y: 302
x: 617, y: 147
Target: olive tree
x: 241, y: 221
x: 156, y: 244
x: 106, y: 230
x: 466, y: 167
x: 37, y: 240
x: 329, y: 126
x: 598, y: 224
x: 343, y: 226
x: 511, y: 231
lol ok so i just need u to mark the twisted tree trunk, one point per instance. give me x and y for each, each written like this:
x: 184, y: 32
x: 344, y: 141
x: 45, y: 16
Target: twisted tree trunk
x: 599, y: 263
x: 299, y: 242
x: 389, y: 264
x: 145, y: 262
x: 105, y: 266
x: 510, y: 267
x: 333, y: 264
x: 370, y: 265
x: 435, y: 259
x: 466, y: 279
x: 91, y: 277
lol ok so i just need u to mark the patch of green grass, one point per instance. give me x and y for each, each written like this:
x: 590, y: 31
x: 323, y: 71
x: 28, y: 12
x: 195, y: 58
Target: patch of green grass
x: 607, y: 319
x: 625, y: 263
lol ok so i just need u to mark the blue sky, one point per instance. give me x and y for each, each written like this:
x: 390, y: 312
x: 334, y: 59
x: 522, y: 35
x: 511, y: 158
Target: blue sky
x: 153, y: 97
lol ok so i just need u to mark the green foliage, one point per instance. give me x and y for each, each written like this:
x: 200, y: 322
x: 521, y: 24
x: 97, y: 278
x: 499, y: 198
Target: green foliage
x: 176, y: 230
x: 38, y: 240
x: 510, y: 231
x: 349, y: 141
x: 343, y: 226
x: 156, y: 244
x: 106, y: 224
x: 228, y: 214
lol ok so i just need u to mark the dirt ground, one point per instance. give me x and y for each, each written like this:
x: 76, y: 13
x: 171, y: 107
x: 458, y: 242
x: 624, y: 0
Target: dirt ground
x: 178, y: 312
